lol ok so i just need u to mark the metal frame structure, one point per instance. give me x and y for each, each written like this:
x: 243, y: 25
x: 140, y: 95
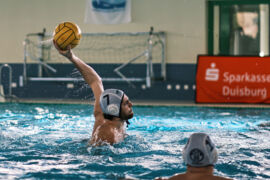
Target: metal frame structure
x: 10, y: 81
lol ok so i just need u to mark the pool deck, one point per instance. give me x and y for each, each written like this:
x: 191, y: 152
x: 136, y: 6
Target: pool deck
x: 145, y: 103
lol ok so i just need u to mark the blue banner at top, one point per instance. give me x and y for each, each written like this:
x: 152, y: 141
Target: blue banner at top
x: 108, y: 11
x: 108, y: 5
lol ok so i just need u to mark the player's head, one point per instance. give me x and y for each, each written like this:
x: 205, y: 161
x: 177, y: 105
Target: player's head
x: 200, y: 151
x: 114, y: 103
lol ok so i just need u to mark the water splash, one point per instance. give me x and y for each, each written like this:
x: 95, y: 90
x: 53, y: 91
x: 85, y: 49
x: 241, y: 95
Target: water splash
x: 39, y: 141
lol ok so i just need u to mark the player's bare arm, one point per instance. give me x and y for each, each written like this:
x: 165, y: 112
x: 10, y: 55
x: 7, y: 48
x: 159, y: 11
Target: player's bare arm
x: 89, y: 74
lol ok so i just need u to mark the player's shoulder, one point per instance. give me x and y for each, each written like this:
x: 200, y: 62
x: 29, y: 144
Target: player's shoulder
x: 221, y: 178
x: 98, y: 112
x: 184, y: 176
x: 174, y: 177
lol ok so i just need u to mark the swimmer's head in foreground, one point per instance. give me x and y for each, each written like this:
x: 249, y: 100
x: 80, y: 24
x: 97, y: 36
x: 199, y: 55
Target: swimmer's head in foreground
x: 200, y: 151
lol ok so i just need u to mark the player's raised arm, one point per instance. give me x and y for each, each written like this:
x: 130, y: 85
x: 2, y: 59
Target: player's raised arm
x: 89, y: 74
x: 66, y: 36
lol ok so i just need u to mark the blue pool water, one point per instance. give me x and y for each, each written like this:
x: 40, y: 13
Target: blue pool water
x: 41, y: 141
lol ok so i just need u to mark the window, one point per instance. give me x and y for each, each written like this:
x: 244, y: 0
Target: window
x: 238, y: 27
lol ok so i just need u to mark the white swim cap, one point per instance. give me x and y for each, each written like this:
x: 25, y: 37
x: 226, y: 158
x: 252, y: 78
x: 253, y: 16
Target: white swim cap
x: 110, y: 102
x: 200, y: 151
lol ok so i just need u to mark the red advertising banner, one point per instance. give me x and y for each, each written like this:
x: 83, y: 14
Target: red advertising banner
x: 233, y: 79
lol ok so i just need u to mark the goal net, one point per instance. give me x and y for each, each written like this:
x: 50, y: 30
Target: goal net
x: 103, y: 48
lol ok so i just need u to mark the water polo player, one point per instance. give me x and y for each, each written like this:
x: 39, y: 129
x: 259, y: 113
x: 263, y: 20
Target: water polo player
x: 112, y: 108
x: 200, y: 155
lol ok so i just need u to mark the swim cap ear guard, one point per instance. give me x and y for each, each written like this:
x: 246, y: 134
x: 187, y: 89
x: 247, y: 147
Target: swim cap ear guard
x: 110, y: 102
x: 200, y: 151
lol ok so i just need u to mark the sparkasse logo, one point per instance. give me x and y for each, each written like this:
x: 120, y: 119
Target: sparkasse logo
x: 212, y: 73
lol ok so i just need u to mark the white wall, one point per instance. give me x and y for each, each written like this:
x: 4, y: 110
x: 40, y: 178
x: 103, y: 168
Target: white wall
x: 184, y: 21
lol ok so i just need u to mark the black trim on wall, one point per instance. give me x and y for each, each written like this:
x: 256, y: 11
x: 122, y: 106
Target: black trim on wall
x: 178, y: 76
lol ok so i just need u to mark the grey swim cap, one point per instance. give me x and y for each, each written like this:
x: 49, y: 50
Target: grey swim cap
x: 200, y: 151
x: 110, y: 102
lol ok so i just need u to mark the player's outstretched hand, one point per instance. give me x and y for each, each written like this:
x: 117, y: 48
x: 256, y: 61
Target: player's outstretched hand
x: 67, y: 53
